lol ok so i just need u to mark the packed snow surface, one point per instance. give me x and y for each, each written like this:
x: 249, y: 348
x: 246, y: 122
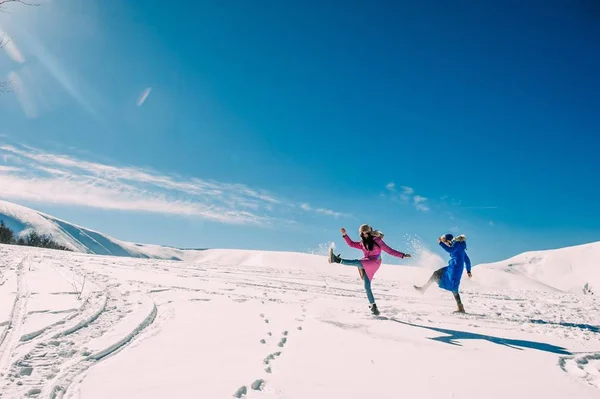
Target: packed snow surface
x: 253, y: 324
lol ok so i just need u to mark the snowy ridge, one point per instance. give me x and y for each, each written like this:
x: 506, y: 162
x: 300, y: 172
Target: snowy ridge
x: 22, y: 220
x: 573, y: 269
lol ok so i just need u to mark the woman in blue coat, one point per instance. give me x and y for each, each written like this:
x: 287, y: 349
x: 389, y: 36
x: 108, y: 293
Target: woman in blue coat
x: 448, y: 277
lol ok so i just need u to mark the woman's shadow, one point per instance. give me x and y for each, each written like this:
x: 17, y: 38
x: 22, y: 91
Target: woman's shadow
x: 454, y: 335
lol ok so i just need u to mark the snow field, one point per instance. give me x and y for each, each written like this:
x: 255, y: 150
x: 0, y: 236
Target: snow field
x: 41, y: 356
x: 255, y: 324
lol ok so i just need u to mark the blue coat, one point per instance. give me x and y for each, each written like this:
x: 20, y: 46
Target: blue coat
x: 458, y: 258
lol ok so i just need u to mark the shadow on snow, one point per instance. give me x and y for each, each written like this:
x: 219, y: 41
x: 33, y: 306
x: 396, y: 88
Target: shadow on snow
x: 589, y: 327
x: 454, y: 335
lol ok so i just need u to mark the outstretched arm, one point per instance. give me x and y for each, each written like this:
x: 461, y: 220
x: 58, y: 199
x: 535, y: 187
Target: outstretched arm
x: 445, y: 247
x: 468, y: 263
x: 389, y: 250
x: 351, y: 243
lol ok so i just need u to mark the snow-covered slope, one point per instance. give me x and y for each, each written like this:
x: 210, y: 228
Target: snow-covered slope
x: 253, y: 324
x: 22, y: 219
x: 566, y: 269
x: 573, y: 269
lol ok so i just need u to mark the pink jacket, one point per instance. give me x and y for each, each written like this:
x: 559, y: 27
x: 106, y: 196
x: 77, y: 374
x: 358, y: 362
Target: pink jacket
x: 372, y: 259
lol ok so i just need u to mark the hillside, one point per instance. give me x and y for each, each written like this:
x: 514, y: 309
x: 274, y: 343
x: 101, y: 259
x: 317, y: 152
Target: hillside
x: 573, y: 269
x: 21, y: 219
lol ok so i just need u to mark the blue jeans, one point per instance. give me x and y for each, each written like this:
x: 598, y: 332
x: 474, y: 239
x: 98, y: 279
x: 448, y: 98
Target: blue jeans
x: 367, y: 282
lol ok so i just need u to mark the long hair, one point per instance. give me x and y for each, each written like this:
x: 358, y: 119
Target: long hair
x: 369, y: 241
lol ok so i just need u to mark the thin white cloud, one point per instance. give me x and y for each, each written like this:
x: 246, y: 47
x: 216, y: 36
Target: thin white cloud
x: 54, y: 178
x: 106, y: 196
x: 52, y: 171
x: 492, y: 223
x: 422, y: 208
x: 407, y: 190
x: 61, y: 179
x: 418, y: 199
x: 408, y: 195
x: 9, y: 169
x: 306, y: 207
x: 419, y: 203
x: 323, y: 211
x: 142, y: 98
x: 191, y: 186
x: 329, y: 212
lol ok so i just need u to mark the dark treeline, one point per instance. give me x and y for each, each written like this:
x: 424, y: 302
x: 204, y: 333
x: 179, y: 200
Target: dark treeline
x: 32, y: 239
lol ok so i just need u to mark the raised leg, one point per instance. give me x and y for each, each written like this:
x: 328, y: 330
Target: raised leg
x: 333, y: 258
x: 354, y: 262
x: 435, y: 278
x: 351, y: 262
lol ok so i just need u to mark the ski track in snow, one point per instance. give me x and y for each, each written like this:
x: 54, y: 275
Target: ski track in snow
x: 53, y: 357
x: 52, y: 361
x: 10, y: 338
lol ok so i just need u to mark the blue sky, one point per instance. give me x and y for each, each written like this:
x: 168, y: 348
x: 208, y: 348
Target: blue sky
x: 270, y: 125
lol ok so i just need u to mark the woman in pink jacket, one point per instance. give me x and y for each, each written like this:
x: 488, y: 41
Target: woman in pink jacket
x: 371, y: 244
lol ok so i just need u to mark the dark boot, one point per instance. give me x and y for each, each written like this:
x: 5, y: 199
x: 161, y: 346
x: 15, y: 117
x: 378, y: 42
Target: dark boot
x: 333, y: 258
x: 460, y: 307
x: 374, y: 309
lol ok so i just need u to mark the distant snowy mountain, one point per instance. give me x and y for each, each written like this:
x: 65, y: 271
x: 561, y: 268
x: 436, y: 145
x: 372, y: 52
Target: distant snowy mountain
x: 21, y: 220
